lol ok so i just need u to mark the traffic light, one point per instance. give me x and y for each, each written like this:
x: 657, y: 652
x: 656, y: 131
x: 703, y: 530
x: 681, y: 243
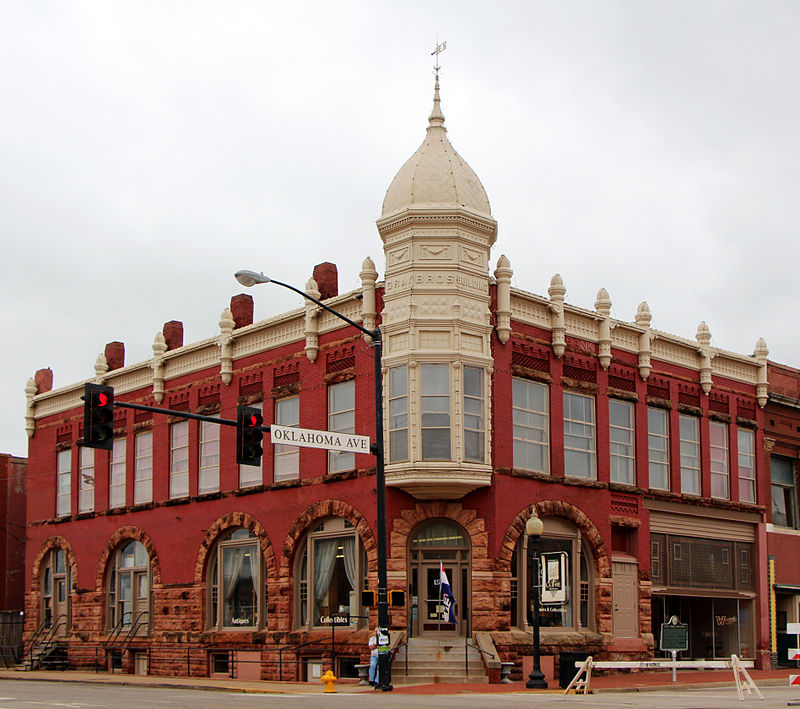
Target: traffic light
x: 98, y: 416
x: 397, y: 599
x: 249, y: 435
x: 369, y: 599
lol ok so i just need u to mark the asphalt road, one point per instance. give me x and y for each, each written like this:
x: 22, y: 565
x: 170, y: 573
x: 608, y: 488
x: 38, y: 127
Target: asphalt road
x: 24, y: 694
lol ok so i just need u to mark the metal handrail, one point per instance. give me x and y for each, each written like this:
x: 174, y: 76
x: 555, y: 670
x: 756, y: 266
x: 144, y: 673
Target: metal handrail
x: 35, y: 637
x: 48, y: 639
x: 115, y: 632
x: 133, y: 629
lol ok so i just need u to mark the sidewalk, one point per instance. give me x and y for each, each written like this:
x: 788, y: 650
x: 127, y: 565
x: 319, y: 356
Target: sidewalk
x: 627, y: 682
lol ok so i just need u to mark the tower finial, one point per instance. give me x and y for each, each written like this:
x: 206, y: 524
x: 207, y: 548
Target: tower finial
x: 437, y: 117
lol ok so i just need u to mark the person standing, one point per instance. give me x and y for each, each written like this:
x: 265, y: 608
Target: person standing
x: 373, y: 659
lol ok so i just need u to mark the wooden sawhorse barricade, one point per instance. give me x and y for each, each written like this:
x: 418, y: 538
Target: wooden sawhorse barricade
x: 582, y: 679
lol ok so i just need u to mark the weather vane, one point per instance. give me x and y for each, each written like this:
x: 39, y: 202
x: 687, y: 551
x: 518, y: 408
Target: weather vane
x: 439, y: 49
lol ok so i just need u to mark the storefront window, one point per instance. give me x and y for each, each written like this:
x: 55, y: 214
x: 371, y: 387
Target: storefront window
x: 237, y: 586
x: 329, y: 572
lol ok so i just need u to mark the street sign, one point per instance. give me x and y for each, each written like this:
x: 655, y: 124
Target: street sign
x: 794, y: 654
x: 794, y: 680
x: 793, y: 628
x: 674, y: 636
x: 311, y: 438
x: 338, y: 619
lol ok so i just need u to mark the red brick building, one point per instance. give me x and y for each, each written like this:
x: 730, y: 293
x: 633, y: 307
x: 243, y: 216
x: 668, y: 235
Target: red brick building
x: 642, y: 452
x: 12, y: 532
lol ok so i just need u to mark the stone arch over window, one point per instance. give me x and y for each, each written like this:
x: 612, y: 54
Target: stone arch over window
x: 557, y: 508
x: 295, y: 542
x: 234, y: 519
x: 225, y: 530
x: 54, y: 575
x: 585, y: 609
x: 123, y: 534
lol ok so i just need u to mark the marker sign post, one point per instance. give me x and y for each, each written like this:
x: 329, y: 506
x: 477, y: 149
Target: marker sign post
x: 674, y: 639
x: 310, y: 438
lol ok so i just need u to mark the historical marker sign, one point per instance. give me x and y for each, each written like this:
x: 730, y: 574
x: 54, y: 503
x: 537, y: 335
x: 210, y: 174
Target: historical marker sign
x: 674, y: 636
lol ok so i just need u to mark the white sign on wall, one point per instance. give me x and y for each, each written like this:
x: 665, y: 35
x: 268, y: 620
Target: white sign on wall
x: 311, y: 438
x: 553, y: 578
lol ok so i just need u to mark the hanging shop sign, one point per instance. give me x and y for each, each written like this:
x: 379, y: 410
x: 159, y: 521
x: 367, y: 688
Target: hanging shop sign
x: 553, y: 579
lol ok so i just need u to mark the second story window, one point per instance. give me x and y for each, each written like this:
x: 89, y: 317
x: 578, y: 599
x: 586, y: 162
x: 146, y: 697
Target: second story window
x: 747, y: 465
x: 620, y: 425
x: 658, y: 448
x: 474, y: 428
x: 720, y: 475
x: 784, y: 492
x: 342, y: 419
x: 287, y: 458
x: 579, y: 436
x: 179, y: 459
x: 143, y: 468
x: 530, y: 404
x: 64, y: 475
x: 690, y: 455
x: 86, y: 480
x: 435, y: 411
x: 116, y: 480
x: 398, y: 414
x: 208, y: 475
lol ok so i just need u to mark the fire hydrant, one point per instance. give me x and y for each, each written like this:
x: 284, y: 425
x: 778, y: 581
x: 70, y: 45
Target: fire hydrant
x: 330, y: 681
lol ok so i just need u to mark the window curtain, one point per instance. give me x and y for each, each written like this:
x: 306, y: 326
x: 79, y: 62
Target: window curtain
x: 349, y: 544
x: 232, y: 564
x: 324, y: 560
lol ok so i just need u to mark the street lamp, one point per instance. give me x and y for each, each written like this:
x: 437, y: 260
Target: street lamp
x: 251, y: 278
x: 533, y: 528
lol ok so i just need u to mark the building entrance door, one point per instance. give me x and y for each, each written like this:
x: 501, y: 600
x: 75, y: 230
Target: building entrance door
x: 435, y: 544
x: 626, y: 599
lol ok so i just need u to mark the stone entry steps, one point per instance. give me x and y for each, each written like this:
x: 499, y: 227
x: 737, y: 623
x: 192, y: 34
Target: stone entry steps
x: 430, y: 662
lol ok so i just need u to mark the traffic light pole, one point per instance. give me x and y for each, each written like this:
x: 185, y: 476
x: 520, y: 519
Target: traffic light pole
x: 251, y: 278
x: 180, y: 414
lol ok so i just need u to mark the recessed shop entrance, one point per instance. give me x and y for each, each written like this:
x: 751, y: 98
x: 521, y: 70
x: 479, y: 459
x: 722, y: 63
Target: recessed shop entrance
x: 434, y: 545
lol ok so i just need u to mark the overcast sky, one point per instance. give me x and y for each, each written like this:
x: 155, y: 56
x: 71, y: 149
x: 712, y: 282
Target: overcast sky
x: 150, y: 149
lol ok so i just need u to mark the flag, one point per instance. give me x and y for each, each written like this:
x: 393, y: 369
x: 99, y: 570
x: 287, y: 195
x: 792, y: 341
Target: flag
x: 447, y: 595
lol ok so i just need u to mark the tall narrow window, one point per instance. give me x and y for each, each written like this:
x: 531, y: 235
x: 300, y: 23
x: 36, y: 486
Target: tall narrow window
x: 129, y: 588
x: 208, y: 475
x: 56, y: 584
x: 86, y: 480
x: 531, y: 425
x: 474, y: 428
x: 579, y: 436
x: 116, y: 478
x: 784, y: 492
x: 287, y: 458
x: 747, y: 465
x: 237, y: 582
x: 143, y: 469
x: 398, y: 414
x: 64, y: 494
x: 720, y: 473
x: 179, y: 459
x: 342, y: 419
x: 435, y: 411
x: 620, y: 416
x: 250, y: 475
x: 658, y: 448
x: 690, y: 455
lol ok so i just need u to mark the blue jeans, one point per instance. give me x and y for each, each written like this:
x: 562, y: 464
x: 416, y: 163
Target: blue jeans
x: 373, y: 668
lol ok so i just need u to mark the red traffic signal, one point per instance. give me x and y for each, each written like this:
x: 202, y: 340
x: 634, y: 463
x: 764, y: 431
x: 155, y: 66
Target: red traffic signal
x: 249, y: 435
x: 98, y: 416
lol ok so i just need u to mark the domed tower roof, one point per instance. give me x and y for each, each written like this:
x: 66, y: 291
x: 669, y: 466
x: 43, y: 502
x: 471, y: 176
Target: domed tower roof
x: 436, y: 176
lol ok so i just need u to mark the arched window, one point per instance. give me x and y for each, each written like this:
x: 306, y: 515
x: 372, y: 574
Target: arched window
x: 56, y: 581
x: 129, y: 588
x: 566, y: 596
x: 331, y: 569
x: 237, y: 590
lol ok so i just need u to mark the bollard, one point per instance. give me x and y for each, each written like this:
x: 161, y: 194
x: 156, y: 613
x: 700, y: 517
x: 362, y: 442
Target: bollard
x: 330, y: 681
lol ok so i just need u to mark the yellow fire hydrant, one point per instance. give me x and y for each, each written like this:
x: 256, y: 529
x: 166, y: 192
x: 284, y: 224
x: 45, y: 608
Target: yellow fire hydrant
x: 330, y: 681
